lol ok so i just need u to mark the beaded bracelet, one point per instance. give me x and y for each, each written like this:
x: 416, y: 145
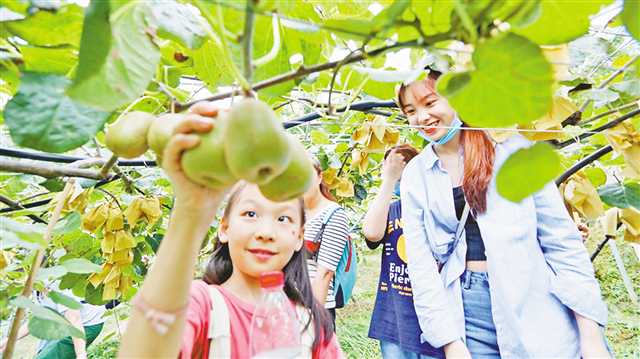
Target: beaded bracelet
x: 159, y: 320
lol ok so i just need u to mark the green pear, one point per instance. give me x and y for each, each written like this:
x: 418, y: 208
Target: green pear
x: 127, y: 137
x: 256, y: 147
x: 206, y: 164
x: 161, y: 131
x: 296, y: 178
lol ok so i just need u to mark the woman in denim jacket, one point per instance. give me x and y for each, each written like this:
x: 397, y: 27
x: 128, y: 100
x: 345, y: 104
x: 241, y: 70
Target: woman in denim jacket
x: 519, y: 282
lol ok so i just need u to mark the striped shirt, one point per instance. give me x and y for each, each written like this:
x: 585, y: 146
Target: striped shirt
x: 334, y: 238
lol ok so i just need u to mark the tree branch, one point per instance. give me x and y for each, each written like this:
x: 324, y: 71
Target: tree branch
x: 607, y: 113
x: 47, y: 170
x: 51, y: 157
x: 247, y: 41
x: 583, y: 163
x: 17, y: 206
x: 609, y: 79
x: 304, y: 71
x: 606, y: 126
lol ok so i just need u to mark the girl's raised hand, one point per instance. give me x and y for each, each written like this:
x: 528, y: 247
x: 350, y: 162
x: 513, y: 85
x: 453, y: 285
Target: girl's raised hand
x: 393, y: 166
x: 190, y: 195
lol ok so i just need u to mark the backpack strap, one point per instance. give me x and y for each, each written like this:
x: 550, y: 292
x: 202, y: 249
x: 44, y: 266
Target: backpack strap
x: 325, y: 220
x: 220, y: 328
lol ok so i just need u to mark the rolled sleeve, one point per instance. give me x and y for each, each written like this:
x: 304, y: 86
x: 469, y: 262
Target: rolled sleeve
x: 436, y: 313
x: 574, y: 282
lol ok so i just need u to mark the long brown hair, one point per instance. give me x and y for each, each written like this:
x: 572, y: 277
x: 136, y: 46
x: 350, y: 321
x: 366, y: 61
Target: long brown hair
x: 297, y: 285
x: 479, y: 155
x: 324, y: 189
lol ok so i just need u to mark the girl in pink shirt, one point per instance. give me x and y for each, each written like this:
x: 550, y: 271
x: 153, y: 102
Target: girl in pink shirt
x: 171, y: 315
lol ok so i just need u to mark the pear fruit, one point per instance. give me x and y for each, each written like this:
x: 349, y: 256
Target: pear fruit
x: 206, y: 163
x: 296, y: 178
x: 127, y: 137
x: 161, y: 131
x: 256, y: 147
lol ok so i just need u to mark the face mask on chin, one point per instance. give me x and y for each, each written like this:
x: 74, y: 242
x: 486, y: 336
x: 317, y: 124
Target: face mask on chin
x: 456, y: 124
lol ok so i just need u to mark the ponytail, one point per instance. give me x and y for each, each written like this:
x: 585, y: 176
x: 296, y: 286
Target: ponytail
x: 478, y: 168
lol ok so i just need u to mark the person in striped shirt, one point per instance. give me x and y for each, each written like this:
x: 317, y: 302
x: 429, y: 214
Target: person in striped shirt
x: 324, y: 248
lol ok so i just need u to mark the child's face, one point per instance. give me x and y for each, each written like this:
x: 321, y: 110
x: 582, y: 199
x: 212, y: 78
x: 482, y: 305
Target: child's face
x: 262, y: 235
x: 424, y: 107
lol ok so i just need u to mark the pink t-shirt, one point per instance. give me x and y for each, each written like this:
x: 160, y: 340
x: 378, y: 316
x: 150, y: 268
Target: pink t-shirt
x: 195, y: 343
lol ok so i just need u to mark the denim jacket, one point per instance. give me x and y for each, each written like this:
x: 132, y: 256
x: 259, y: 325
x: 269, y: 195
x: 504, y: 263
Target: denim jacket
x: 539, y: 270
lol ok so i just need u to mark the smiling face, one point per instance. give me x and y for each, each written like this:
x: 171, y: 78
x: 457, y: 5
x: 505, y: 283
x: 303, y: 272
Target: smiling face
x: 424, y: 107
x: 262, y: 235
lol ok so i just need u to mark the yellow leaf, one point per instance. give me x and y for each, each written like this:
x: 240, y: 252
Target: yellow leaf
x: 345, y: 188
x: 329, y: 177
x: 391, y: 137
x: 552, y: 120
x: 610, y: 222
x: 583, y: 197
x: 630, y: 217
x: 122, y: 257
x: 114, y: 275
x: 374, y: 144
x: 125, y: 284
x: 95, y: 218
x: 124, y: 240
x: 110, y: 291
x: 4, y: 260
x: 96, y: 278
x: 360, y: 160
x: 108, y: 242
x: 151, y: 209
x: 115, y: 221
x: 379, y: 126
x: 133, y: 212
x: 501, y: 135
x: 361, y: 134
x: 626, y: 140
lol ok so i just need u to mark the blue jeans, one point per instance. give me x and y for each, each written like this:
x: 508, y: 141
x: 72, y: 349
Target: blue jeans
x: 480, y: 329
x: 391, y: 350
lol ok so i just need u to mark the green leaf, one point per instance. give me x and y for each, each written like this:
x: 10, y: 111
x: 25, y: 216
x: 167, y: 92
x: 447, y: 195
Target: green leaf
x: 560, y: 21
x: 601, y: 97
x: 69, y: 223
x: 596, y: 176
x: 42, y: 117
x: 50, y: 28
x: 211, y: 66
x: 18, y: 232
x: 114, y: 72
x: 49, y: 273
x: 176, y: 22
x: 47, y: 323
x: 52, y: 60
x: 65, y: 300
x: 629, y: 87
x: 80, y: 265
x: 319, y: 137
x: 631, y: 17
x: 388, y: 16
x: 621, y: 195
x: 527, y: 171
x: 434, y: 15
x: 491, y: 96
